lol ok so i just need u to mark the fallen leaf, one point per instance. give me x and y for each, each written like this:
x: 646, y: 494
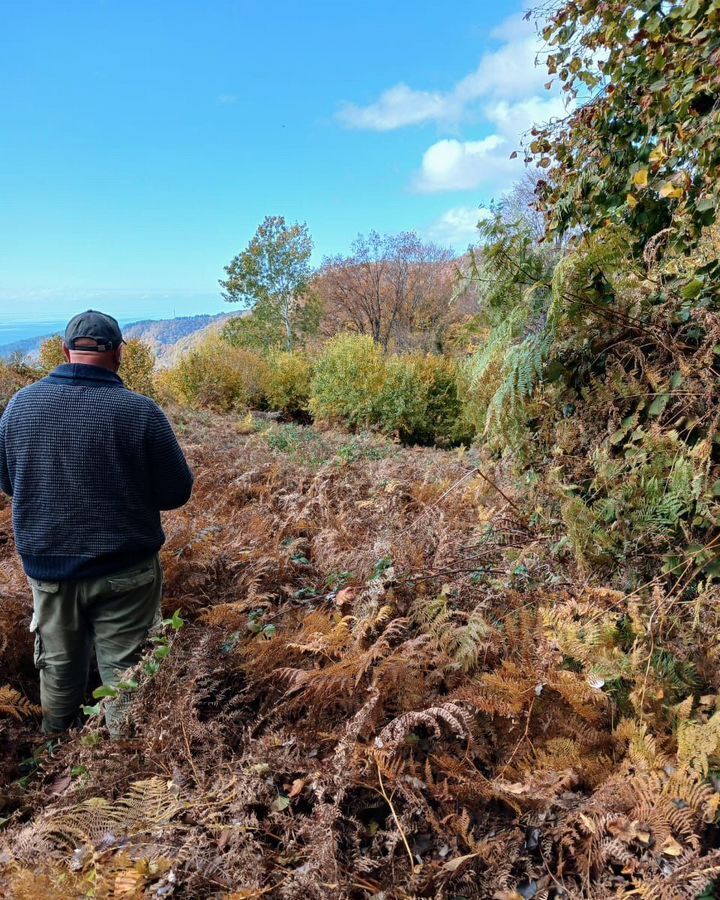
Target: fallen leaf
x: 346, y: 595
x: 671, y: 847
x: 670, y: 191
x: 454, y: 864
x: 297, y: 787
x: 61, y: 784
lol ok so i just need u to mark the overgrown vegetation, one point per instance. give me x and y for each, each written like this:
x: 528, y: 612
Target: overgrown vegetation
x: 413, y: 672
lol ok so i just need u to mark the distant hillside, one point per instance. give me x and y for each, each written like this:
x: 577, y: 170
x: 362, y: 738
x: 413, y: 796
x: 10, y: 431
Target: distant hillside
x: 168, y: 354
x: 163, y: 335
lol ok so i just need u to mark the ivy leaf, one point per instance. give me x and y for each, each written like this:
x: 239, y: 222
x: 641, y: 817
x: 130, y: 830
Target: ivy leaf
x: 92, y: 710
x: 640, y: 178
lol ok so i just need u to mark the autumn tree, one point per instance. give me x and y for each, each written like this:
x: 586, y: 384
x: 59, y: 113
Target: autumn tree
x: 641, y: 146
x: 51, y: 353
x: 388, y: 287
x: 270, y: 279
x: 137, y: 368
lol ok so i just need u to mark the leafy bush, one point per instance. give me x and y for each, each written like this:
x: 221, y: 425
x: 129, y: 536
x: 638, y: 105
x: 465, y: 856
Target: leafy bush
x: 138, y: 367
x: 287, y: 381
x: 13, y: 376
x: 401, y: 404
x: 218, y: 376
x: 415, y: 398
x: 348, y: 379
x: 443, y: 421
x: 51, y: 353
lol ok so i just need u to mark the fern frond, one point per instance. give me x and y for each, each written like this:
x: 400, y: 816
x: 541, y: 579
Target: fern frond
x: 13, y: 703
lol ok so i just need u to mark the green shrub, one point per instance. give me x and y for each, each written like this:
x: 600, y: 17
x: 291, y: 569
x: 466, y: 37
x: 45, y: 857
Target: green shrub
x: 444, y: 421
x: 414, y: 398
x: 347, y: 381
x: 217, y: 376
x: 287, y: 381
x: 400, y: 407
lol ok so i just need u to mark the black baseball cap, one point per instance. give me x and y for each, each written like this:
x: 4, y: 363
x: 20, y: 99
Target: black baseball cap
x: 93, y: 326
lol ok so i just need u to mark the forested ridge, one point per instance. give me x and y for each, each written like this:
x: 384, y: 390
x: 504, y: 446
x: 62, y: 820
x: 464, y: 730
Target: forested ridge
x: 442, y: 616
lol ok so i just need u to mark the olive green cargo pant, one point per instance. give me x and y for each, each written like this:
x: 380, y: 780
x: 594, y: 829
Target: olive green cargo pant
x: 114, y: 613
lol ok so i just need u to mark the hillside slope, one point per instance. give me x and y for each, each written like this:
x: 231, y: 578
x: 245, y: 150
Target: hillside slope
x: 161, y: 334
x: 371, y: 695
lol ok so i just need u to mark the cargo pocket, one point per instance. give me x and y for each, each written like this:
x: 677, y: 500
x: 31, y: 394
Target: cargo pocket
x: 44, y: 587
x: 39, y: 649
x: 123, y: 583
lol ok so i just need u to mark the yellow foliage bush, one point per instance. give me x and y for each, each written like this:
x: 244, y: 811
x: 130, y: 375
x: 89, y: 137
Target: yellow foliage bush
x: 138, y: 367
x: 348, y: 379
x: 13, y: 376
x: 51, y: 353
x: 287, y: 381
x: 218, y: 376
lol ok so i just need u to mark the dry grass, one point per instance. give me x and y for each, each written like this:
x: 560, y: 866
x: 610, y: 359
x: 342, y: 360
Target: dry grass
x: 386, y: 686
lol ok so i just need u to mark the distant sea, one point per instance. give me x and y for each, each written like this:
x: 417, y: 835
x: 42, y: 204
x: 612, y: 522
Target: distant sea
x: 10, y: 332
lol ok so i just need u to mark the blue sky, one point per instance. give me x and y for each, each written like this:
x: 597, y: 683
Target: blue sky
x: 141, y: 143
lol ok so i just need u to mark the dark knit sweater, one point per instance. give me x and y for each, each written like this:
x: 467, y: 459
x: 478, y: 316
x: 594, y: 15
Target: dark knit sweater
x: 89, y: 465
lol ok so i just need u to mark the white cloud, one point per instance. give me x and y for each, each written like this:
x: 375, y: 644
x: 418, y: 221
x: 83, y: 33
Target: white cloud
x: 454, y: 165
x: 395, y: 108
x: 504, y: 97
x: 507, y: 72
x: 457, y: 228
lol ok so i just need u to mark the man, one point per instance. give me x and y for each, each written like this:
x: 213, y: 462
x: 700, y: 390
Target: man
x: 89, y: 465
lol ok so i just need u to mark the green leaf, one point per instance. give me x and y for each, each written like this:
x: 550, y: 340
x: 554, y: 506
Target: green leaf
x: 693, y: 289
x: 130, y: 685
x: 676, y: 380
x: 105, y: 690
x: 658, y: 405
x: 281, y: 802
x: 269, y: 631
x: 176, y: 622
x: 77, y: 771
x: 92, y: 710
x: 161, y: 652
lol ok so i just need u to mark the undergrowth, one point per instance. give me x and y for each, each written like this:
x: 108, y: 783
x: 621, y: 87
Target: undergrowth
x: 388, y: 684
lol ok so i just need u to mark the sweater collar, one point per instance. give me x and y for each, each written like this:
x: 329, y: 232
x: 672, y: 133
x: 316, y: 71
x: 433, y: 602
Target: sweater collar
x: 80, y: 373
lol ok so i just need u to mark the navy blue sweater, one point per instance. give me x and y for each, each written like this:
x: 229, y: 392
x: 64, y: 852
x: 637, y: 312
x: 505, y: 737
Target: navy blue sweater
x: 89, y: 465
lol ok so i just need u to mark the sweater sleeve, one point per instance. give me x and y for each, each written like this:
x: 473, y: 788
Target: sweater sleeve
x: 170, y: 474
x: 5, y: 482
